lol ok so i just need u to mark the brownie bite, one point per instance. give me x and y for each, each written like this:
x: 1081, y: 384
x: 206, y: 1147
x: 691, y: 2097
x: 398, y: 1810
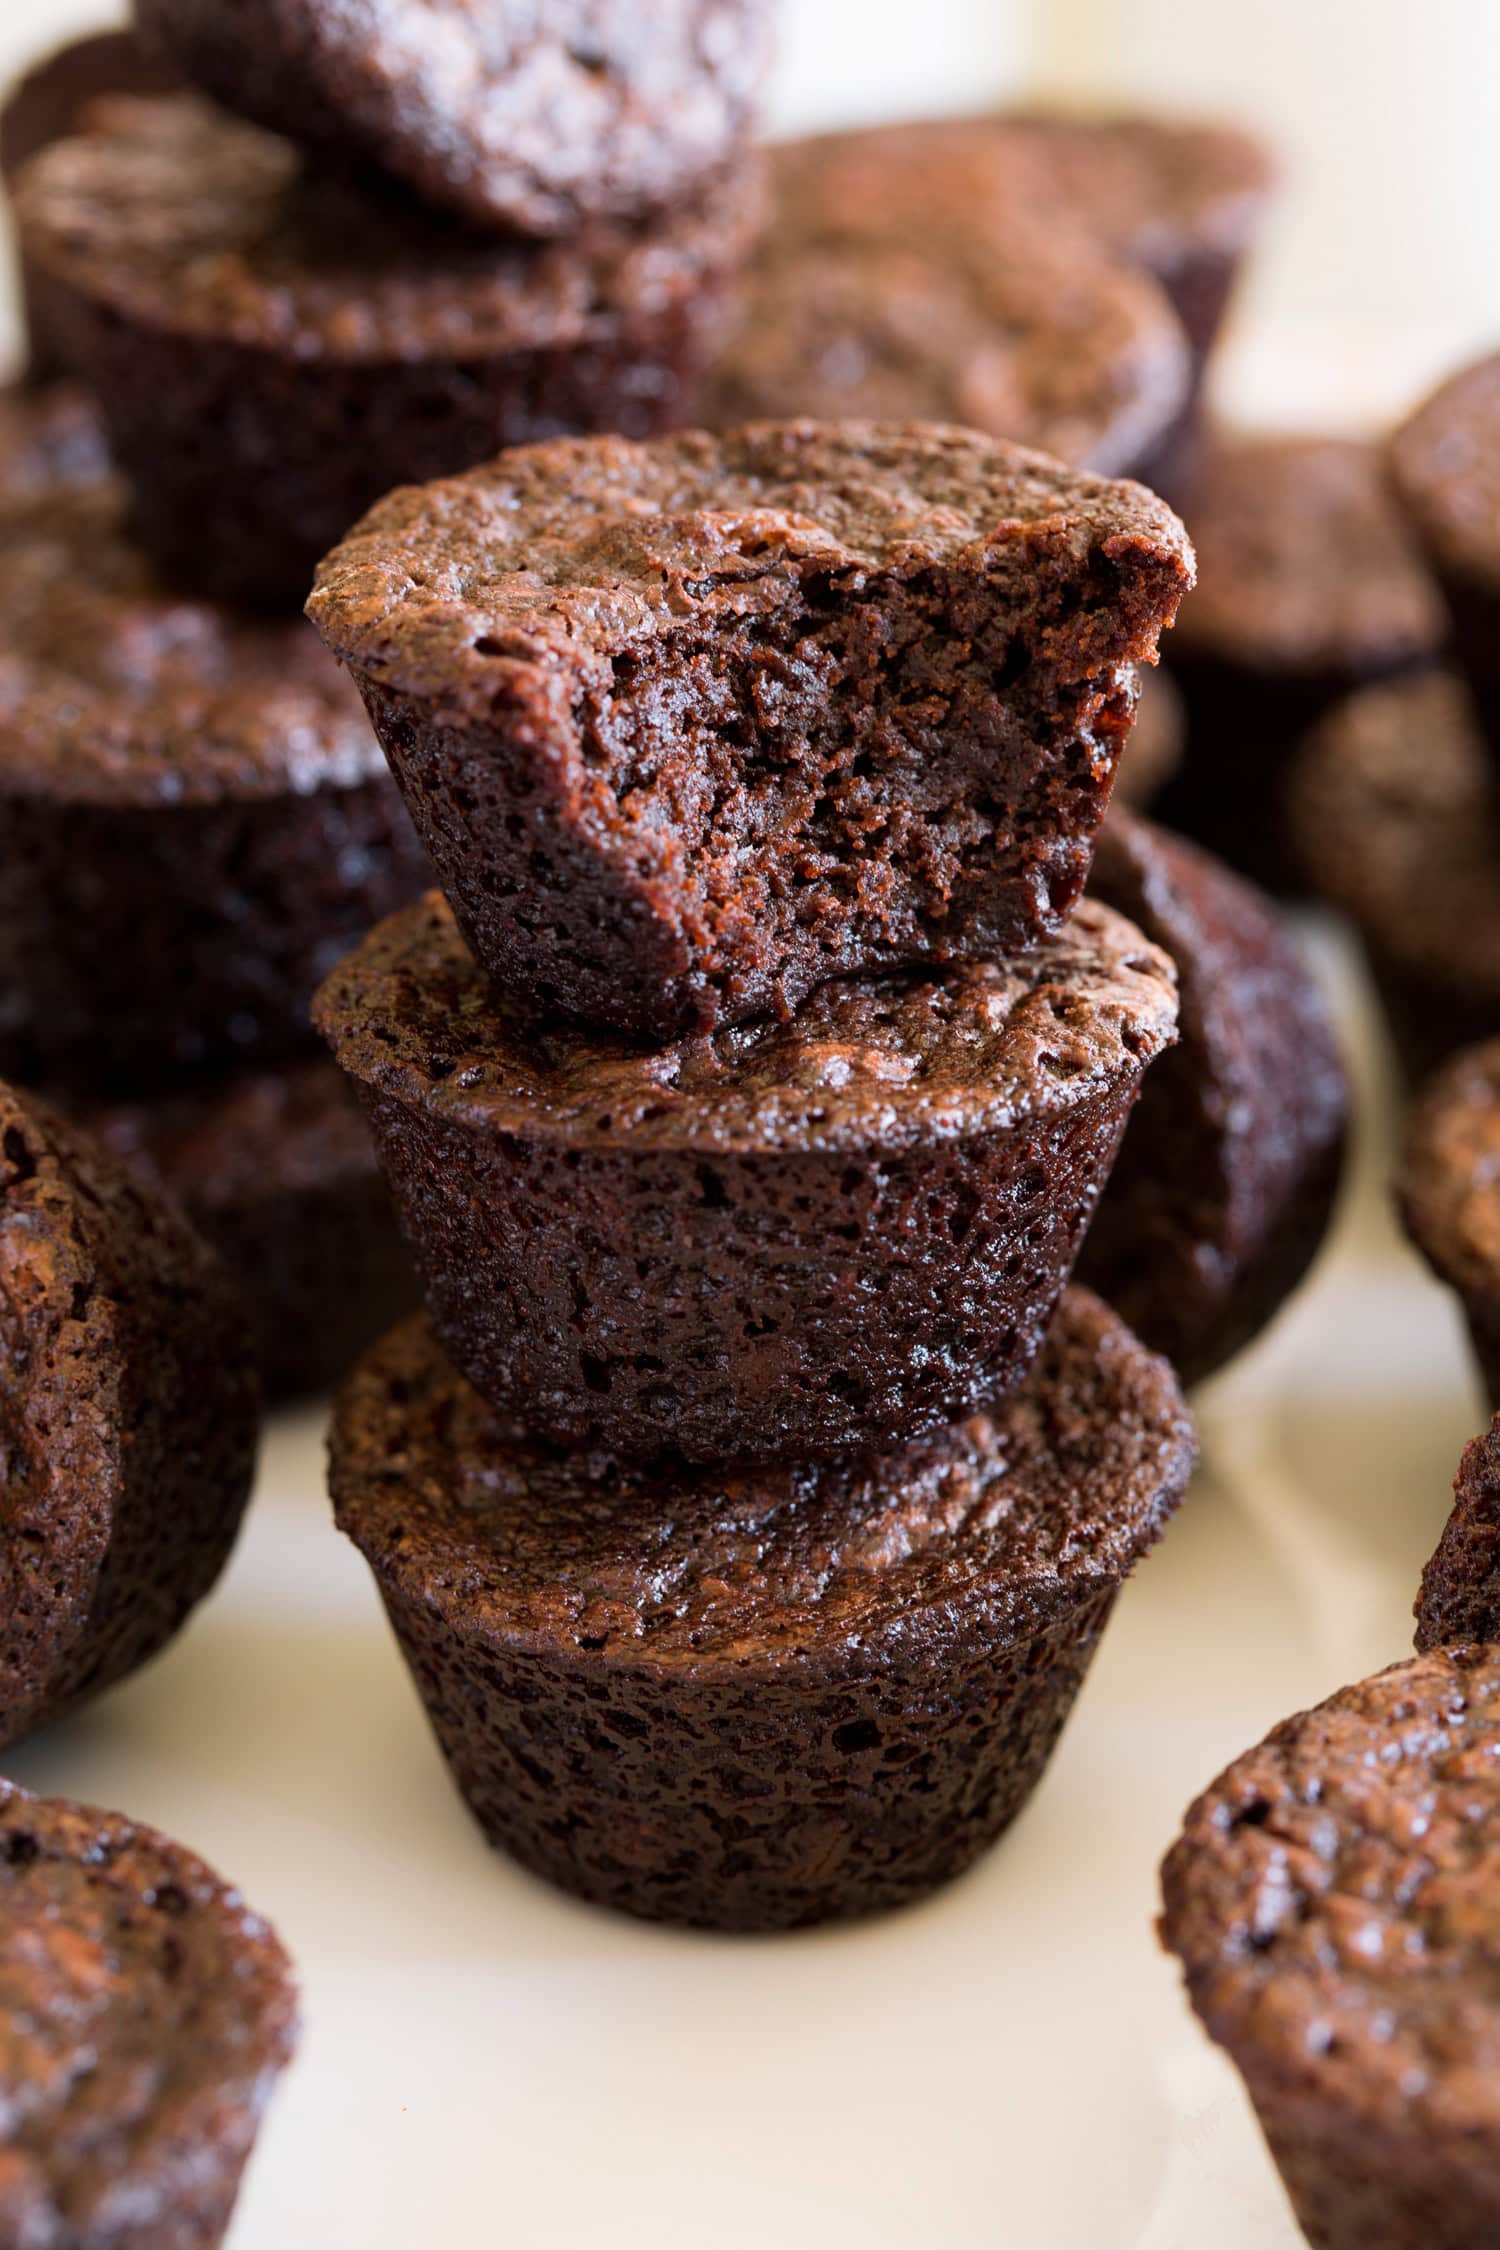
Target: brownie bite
x: 1395, y: 819
x: 690, y: 727
x: 536, y: 120
x: 772, y: 1243
x: 1230, y: 1166
x: 195, y: 820
x: 1448, y: 1192
x: 914, y: 272
x: 145, y: 2016
x: 1459, y: 1602
x: 276, y: 345
x: 128, y: 1417
x: 1335, y: 1905
x: 752, y: 1702
x: 1309, y: 586
x: 276, y: 1170
x: 1445, y: 464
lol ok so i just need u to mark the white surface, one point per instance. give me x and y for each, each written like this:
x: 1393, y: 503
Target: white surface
x: 1010, y: 2066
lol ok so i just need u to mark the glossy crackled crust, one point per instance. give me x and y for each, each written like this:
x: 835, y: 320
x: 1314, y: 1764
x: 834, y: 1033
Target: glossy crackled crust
x: 145, y: 2013
x: 878, y: 1063
x: 1333, y: 1902
x: 1018, y: 1514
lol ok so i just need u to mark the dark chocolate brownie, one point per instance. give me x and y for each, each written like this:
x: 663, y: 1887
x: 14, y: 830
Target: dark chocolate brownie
x: 1308, y: 586
x: 688, y: 727
x: 276, y: 1170
x: 45, y: 106
x: 534, y: 119
x: 1153, y: 747
x: 1459, y: 1604
x: 196, y: 819
x: 752, y: 1702
x: 145, y: 2016
x: 275, y: 346
x: 1227, y: 1176
x: 774, y: 1243
x: 128, y: 1416
x: 909, y: 273
x: 1394, y: 817
x: 1445, y: 462
x: 1448, y: 1191
x: 1335, y: 1903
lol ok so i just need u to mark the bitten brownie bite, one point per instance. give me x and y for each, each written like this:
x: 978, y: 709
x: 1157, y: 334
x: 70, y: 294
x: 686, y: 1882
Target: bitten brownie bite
x: 128, y: 1417
x: 1309, y: 586
x: 145, y: 2016
x: 689, y: 727
x: 1445, y: 463
x: 535, y: 118
x: 1448, y: 1192
x: 275, y: 345
x: 774, y: 1243
x: 196, y: 819
x: 1459, y: 1603
x: 759, y: 1701
x: 1335, y: 1904
x: 915, y: 272
x: 1395, y: 819
x: 276, y: 1170
x: 1230, y: 1165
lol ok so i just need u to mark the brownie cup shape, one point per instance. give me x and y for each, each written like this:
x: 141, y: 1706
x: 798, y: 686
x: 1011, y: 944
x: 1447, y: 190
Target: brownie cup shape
x: 128, y: 1415
x: 753, y: 1702
x: 145, y: 2016
x: 774, y: 1243
x: 1309, y: 586
x: 689, y: 727
x: 535, y: 120
x: 1459, y: 1602
x: 1448, y: 1192
x: 275, y: 346
x: 195, y: 819
x: 1334, y: 1902
x: 1230, y: 1166
x: 1395, y: 820
x: 45, y: 106
x: 276, y: 1170
x: 1445, y: 464
x: 915, y: 273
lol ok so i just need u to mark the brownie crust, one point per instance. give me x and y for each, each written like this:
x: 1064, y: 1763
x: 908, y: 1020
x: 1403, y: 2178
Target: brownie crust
x: 276, y: 1170
x: 1445, y: 465
x: 198, y: 821
x: 275, y: 346
x: 689, y: 727
x: 534, y: 120
x: 145, y: 2016
x: 1332, y: 1903
x: 1448, y: 1193
x: 1393, y: 817
x: 1230, y: 1166
x: 776, y: 1243
x: 128, y: 1414
x: 1459, y: 1602
x: 760, y: 1701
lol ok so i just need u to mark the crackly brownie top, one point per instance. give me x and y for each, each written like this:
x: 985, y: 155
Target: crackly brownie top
x: 144, y: 2015
x: 913, y: 272
x: 248, y: 1139
x: 1394, y: 819
x: 1459, y: 1601
x: 1027, y: 1509
x: 45, y: 105
x: 1335, y: 1897
x: 176, y: 216
x: 1304, y: 562
x: 1446, y: 465
x: 889, y: 1061
x: 1156, y: 189
x: 563, y: 554
x: 1449, y: 1183
x: 117, y: 689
